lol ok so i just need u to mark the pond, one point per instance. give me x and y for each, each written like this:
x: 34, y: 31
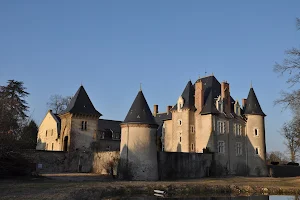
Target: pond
x: 263, y: 197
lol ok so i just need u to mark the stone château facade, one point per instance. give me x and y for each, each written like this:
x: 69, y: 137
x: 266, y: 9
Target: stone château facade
x: 207, y: 118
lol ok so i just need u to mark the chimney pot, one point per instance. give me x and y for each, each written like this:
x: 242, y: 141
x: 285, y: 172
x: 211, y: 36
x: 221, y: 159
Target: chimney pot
x: 168, y: 109
x: 155, y: 110
x: 244, y: 102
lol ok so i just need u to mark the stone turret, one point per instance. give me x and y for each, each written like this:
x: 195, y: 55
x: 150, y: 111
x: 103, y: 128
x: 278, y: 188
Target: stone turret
x: 79, y: 122
x: 255, y: 129
x: 138, y: 150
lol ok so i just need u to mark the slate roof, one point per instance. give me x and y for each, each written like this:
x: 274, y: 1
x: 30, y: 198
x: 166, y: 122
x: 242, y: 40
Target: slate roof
x: 139, y: 111
x: 161, y: 117
x: 209, y: 107
x: 81, y: 104
x: 188, y: 96
x: 252, y: 104
x: 104, y: 124
x: 212, y: 89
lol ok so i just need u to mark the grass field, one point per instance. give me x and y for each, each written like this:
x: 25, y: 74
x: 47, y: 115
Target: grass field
x: 91, y: 188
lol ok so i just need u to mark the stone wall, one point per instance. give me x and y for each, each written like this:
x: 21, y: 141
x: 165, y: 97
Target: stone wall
x: 59, y: 161
x: 173, y: 165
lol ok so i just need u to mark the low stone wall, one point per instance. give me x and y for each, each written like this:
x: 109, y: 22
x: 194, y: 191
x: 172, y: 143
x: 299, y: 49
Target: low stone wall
x: 174, y: 165
x: 102, y: 160
x: 59, y: 161
x: 283, y: 170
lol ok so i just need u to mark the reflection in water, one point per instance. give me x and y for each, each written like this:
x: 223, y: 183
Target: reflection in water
x: 218, y: 198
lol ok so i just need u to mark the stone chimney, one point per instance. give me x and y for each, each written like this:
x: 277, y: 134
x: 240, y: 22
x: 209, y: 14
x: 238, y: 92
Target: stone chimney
x: 244, y: 102
x: 168, y: 109
x: 155, y: 110
x: 199, y: 95
x: 225, y: 94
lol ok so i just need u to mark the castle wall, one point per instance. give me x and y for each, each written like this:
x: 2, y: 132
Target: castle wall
x: 174, y: 165
x: 45, y: 141
x: 168, y: 136
x: 234, y: 156
x: 180, y: 131
x: 203, y: 134
x: 59, y: 161
x: 139, y: 149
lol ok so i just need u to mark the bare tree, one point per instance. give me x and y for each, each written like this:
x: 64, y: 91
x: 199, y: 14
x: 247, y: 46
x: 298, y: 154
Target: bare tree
x: 276, y: 156
x: 290, y: 66
x: 58, y: 103
x: 291, y: 133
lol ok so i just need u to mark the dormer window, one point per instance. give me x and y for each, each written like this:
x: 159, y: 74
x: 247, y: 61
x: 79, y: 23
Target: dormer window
x: 237, y: 109
x: 219, y: 104
x: 180, y: 104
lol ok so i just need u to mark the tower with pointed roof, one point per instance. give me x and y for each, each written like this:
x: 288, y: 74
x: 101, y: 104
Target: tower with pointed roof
x: 255, y: 128
x: 79, y: 122
x: 138, y: 150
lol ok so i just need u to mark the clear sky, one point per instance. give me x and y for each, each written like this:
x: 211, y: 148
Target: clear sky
x: 113, y: 46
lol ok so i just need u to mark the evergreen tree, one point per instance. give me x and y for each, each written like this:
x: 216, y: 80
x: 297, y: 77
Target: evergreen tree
x: 13, y: 107
x: 29, y: 136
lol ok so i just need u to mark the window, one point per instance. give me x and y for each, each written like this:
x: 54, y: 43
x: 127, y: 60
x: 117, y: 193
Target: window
x: 192, y: 129
x: 102, y: 134
x: 180, y: 104
x: 180, y: 139
x: 179, y: 122
x: 221, y: 127
x: 237, y: 129
x: 256, y: 151
x: 46, y: 146
x: 83, y: 125
x: 117, y: 135
x: 239, y: 149
x: 52, y: 146
x: 221, y: 147
x: 256, y: 132
x: 192, y: 147
x: 237, y: 109
x: 51, y: 132
x: 46, y: 133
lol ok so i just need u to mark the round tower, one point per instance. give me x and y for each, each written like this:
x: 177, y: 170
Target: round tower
x: 255, y: 140
x: 138, y: 151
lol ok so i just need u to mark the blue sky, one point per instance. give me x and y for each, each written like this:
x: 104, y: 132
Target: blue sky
x: 113, y: 46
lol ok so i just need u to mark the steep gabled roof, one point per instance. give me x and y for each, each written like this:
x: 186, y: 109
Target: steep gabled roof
x: 139, y: 111
x: 81, y: 104
x: 252, y: 105
x: 188, y: 96
x: 209, y: 106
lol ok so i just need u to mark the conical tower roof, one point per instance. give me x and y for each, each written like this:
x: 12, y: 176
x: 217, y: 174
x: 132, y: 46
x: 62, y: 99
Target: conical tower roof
x: 139, y: 111
x: 252, y: 104
x: 81, y: 104
x: 188, y: 96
